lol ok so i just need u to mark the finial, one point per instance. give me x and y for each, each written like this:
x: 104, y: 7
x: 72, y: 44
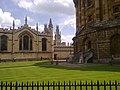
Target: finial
x: 50, y: 23
x: 13, y: 24
x: 26, y: 20
x: 45, y: 27
x: 57, y: 29
x: 37, y: 27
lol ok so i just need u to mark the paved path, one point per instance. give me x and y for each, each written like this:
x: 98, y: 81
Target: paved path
x: 77, y: 64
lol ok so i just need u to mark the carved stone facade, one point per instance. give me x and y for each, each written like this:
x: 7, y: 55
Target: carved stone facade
x: 97, y: 36
x: 26, y: 43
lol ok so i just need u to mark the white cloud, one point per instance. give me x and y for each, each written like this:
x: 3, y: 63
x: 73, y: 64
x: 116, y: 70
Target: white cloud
x: 25, y: 3
x: 40, y: 27
x: 67, y: 27
x: 64, y: 7
x: 6, y: 19
x: 67, y: 38
x: 70, y: 21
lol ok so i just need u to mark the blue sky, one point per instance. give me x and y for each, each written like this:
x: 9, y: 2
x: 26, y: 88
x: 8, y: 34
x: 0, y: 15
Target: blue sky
x: 62, y: 13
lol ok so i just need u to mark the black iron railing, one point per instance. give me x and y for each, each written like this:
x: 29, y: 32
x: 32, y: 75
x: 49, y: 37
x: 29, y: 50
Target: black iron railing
x: 61, y: 86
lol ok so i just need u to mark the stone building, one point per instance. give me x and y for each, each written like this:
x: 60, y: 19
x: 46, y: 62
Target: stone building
x: 26, y: 43
x: 61, y: 50
x: 97, y: 36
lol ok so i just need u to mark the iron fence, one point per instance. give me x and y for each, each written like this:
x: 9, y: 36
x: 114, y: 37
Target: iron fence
x: 60, y: 85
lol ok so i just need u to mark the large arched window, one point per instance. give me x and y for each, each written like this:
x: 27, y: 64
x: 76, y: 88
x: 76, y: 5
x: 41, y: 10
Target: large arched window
x: 44, y: 44
x: 25, y: 42
x: 3, y: 43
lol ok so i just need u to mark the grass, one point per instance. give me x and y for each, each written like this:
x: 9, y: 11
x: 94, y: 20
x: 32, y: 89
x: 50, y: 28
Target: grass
x: 42, y: 71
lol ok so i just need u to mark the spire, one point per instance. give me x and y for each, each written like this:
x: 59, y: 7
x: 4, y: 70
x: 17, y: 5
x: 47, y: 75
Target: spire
x: 50, y: 23
x: 26, y: 20
x: 13, y: 24
x: 45, y: 27
x: 57, y: 29
x: 37, y: 27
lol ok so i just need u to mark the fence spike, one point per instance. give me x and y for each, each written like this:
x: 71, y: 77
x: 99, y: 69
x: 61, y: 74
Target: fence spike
x: 37, y: 85
x: 110, y: 85
x: 98, y: 83
x: 75, y: 85
x: 1, y: 85
x: 43, y: 85
x: 10, y: 85
x: 80, y: 85
x: 59, y: 85
x: 91, y: 85
x: 115, y: 85
x: 86, y: 85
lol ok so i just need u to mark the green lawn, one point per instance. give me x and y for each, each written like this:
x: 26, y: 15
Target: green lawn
x: 42, y: 71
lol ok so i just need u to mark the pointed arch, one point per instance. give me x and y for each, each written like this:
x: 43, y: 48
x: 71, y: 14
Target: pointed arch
x: 44, y: 44
x: 3, y: 42
x: 25, y: 41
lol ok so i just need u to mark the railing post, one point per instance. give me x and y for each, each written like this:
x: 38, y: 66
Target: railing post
x: 1, y: 85
x: 64, y: 85
x: 110, y: 85
x: 48, y: 85
x: 69, y: 85
x: 43, y: 85
x: 59, y: 85
x: 32, y: 86
x: 86, y: 85
x: 80, y: 85
x: 37, y: 85
x: 27, y: 85
x: 98, y: 85
x: 91, y: 85
x: 10, y: 85
x: 75, y: 85
x: 22, y: 86
x: 115, y: 85
x: 53, y: 85
x: 16, y: 86
x: 104, y: 85
x: 6, y: 85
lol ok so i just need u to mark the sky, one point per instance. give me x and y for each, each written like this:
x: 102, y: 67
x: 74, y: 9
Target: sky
x: 62, y: 13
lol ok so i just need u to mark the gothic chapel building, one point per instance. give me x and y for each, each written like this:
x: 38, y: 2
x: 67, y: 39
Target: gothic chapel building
x: 26, y: 43
x: 97, y: 36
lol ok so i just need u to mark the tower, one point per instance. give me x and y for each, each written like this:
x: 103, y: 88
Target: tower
x: 57, y: 36
x: 50, y: 27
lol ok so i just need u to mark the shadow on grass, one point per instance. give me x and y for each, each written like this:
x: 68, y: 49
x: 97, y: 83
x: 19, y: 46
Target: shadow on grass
x: 47, y: 64
x: 92, y: 67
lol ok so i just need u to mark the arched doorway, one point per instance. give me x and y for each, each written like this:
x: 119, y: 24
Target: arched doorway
x: 115, y: 45
x: 88, y: 53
